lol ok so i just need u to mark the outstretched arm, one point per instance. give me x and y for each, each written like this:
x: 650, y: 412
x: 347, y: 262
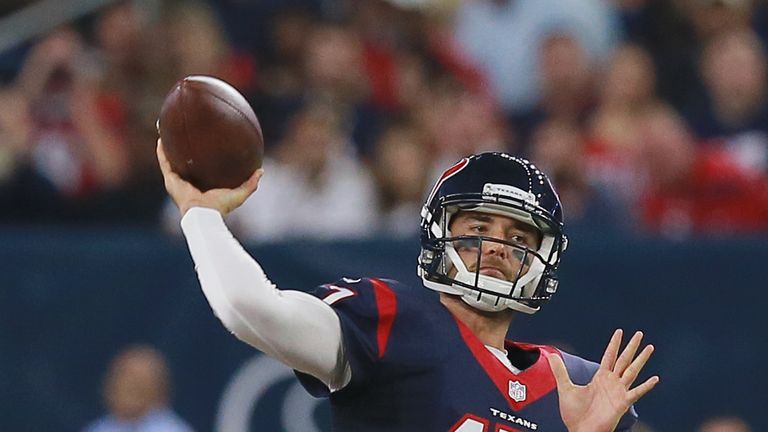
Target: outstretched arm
x: 291, y: 326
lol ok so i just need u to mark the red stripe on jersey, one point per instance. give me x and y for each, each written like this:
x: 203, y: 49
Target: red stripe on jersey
x: 537, y: 379
x: 386, y: 303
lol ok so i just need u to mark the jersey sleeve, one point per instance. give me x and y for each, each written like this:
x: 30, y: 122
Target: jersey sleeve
x: 366, y: 309
x: 581, y: 372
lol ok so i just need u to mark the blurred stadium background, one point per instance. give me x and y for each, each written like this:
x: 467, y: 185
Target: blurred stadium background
x: 651, y: 117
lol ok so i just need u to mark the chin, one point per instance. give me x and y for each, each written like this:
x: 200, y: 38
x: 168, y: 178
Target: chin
x: 503, y: 314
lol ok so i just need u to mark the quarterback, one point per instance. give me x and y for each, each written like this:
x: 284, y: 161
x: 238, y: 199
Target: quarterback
x: 396, y: 358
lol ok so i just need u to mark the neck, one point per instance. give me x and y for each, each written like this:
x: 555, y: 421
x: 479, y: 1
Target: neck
x: 490, y: 327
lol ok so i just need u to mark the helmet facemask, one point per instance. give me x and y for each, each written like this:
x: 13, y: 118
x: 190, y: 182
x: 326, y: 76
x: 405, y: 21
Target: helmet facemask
x: 521, y: 289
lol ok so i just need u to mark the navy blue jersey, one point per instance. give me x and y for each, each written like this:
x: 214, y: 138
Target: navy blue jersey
x: 415, y: 367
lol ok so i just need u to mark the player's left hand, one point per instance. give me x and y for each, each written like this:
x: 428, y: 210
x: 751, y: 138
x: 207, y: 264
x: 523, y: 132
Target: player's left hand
x: 599, y: 405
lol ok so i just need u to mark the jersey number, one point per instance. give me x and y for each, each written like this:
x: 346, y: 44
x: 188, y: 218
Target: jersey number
x: 470, y: 423
x: 337, y: 293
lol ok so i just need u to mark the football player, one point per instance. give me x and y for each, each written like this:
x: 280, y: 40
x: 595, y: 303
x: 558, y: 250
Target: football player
x: 397, y: 358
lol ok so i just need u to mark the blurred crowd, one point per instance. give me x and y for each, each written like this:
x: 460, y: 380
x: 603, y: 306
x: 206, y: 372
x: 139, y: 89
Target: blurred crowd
x: 650, y: 116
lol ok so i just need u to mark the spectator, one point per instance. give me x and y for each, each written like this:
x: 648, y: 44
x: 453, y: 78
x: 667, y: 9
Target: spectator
x: 74, y: 146
x: 724, y: 424
x: 713, y: 17
x: 614, y: 133
x: 627, y: 90
x: 412, y: 87
x: 386, y: 35
x: 697, y: 189
x: 333, y: 66
x: 458, y: 123
x: 91, y: 110
x: 394, y: 32
x: 134, y: 72
x: 401, y: 180
x: 734, y: 71
x: 674, y: 32
x: 14, y: 132
x: 557, y: 147
x: 73, y: 151
x: 334, y: 74
x: 281, y: 80
x: 664, y: 30
x: 23, y: 192
x: 315, y: 175
x: 565, y: 77
x: 565, y: 81
x: 642, y: 427
x: 129, y: 72
x: 503, y: 36
x: 137, y: 395
x: 198, y: 47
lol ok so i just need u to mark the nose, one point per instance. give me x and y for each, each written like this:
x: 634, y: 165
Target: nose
x: 494, y: 249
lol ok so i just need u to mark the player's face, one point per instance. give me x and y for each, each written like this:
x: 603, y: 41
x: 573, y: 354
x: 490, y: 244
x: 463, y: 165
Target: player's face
x: 498, y: 260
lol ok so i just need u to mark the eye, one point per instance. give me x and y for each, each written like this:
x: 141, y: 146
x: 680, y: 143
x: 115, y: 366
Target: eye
x: 520, y: 239
x: 478, y: 228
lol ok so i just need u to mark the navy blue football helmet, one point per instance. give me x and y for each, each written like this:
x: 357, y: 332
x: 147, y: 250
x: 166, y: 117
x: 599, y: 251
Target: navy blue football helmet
x: 497, y: 184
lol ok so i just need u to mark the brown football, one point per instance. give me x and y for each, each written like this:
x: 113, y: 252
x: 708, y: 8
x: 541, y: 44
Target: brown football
x: 210, y: 134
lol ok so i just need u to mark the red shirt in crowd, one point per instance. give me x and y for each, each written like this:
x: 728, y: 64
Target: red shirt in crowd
x: 717, y: 196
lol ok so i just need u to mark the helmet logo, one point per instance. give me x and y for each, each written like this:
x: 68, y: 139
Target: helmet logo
x: 491, y: 189
x: 517, y: 391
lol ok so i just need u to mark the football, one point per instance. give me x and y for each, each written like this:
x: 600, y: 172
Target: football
x: 210, y: 134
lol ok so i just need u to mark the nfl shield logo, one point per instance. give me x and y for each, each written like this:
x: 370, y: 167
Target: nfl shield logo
x: 516, y: 391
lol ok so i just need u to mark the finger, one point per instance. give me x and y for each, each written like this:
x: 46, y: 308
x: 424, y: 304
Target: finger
x: 252, y: 183
x: 165, y: 166
x: 171, y: 179
x: 231, y: 199
x: 630, y: 375
x: 612, y: 351
x: 559, y: 371
x: 242, y: 192
x: 636, y: 393
x: 629, y: 353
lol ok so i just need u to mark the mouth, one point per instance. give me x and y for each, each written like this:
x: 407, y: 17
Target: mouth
x: 493, y: 272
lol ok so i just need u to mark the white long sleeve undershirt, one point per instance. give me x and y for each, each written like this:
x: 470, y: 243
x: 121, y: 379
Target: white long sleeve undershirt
x: 294, y: 327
